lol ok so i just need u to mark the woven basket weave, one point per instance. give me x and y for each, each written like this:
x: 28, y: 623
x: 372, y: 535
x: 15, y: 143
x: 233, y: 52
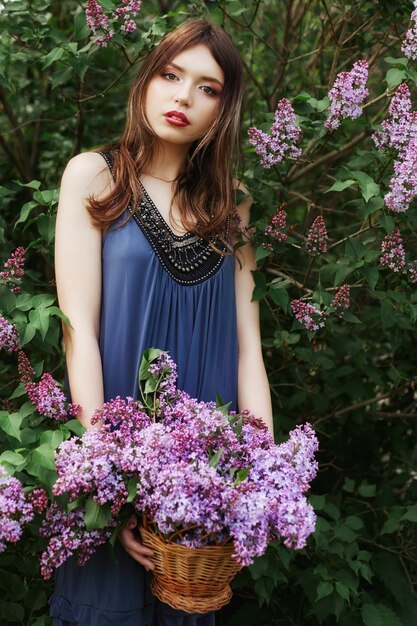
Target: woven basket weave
x: 193, y: 580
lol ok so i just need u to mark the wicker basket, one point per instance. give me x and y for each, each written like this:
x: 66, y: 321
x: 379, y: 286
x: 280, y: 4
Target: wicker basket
x: 193, y: 580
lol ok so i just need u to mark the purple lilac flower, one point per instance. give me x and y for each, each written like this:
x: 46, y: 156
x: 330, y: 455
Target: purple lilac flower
x: 13, y: 271
x: 317, y: 237
x: 15, y: 510
x: 88, y: 465
x: 38, y: 498
x: 214, y: 477
x: 9, y: 337
x: 67, y: 536
x: 282, y: 141
x: 165, y: 368
x: 341, y: 299
x: 403, y: 185
x: 399, y: 132
x: 409, y: 45
x: 347, y: 94
x: 308, y: 315
x: 393, y: 252
x: 98, y: 21
x: 49, y: 400
x: 276, y: 229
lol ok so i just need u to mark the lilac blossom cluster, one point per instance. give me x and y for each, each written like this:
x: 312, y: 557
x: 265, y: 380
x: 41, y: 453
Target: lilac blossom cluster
x: 341, y: 299
x: 13, y: 271
x: 276, y: 229
x: 393, y: 256
x: 99, y: 22
x: 68, y: 535
x: 282, y: 141
x: 399, y: 132
x: 15, y: 509
x: 347, y: 94
x: 214, y: 477
x: 49, y: 400
x: 9, y: 337
x: 309, y: 315
x: 409, y: 45
x: 313, y: 318
x: 316, y: 242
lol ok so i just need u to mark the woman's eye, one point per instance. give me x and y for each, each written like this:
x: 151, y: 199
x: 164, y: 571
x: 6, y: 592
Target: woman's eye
x: 169, y: 76
x: 209, y: 90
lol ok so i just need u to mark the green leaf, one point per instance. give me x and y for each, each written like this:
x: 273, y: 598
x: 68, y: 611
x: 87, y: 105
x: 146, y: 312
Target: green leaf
x: 241, y: 476
x: 7, y: 300
x: 43, y: 455
x: 28, y: 335
x: 54, y: 55
x: 350, y: 317
x: 10, y: 423
x: 132, y: 489
x: 387, y: 222
x: 280, y: 297
x: 148, y: 356
x: 14, y: 459
x: 25, y: 211
x: 367, y: 491
x: 259, y: 291
x: 73, y: 426
x: 354, y: 522
x: 107, y: 4
x: 411, y: 514
x: 96, y: 516
x: 395, y: 61
x: 342, y: 590
x: 52, y: 438
x: 394, y: 77
x: 341, y: 185
x: 214, y: 460
x: 379, y: 615
x: 81, y: 30
x: 324, y: 588
x: 39, y: 319
x: 261, y: 253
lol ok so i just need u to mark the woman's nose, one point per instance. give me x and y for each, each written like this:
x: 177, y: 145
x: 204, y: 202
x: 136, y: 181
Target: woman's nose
x: 183, y: 96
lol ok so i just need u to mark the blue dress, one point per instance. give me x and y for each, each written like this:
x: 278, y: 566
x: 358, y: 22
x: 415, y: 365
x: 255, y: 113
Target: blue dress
x: 175, y: 293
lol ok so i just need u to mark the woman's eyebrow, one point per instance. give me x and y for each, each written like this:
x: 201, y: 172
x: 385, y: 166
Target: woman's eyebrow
x: 208, y: 78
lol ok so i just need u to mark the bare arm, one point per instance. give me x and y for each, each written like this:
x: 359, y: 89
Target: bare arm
x: 78, y: 278
x: 253, y: 387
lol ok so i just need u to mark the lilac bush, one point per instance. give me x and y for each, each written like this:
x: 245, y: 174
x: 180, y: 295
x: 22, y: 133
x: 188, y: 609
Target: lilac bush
x: 100, y: 22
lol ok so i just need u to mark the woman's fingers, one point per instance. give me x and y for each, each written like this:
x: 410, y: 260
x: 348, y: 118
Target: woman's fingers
x: 134, y: 547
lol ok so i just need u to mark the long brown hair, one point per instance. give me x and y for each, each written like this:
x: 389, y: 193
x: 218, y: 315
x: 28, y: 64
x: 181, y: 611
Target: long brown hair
x: 204, y: 191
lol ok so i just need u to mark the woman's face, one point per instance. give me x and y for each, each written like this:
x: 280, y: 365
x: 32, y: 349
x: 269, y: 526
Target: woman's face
x: 182, y: 101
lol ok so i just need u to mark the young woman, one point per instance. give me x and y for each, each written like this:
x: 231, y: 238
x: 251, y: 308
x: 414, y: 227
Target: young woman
x: 143, y: 260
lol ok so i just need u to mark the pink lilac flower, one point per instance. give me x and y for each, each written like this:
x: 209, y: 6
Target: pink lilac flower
x: 9, y: 337
x: 49, y: 400
x: 409, y: 45
x: 15, y: 510
x: 308, y: 315
x: 98, y: 21
x: 347, y: 94
x: 282, y: 141
x: 130, y: 9
x: 13, y: 271
x: 393, y: 252
x: 317, y: 237
x: 341, y: 299
x: 276, y: 229
x: 412, y: 272
x: 38, y: 498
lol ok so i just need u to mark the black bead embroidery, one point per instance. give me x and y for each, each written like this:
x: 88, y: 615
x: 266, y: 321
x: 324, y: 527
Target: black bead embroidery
x: 187, y: 258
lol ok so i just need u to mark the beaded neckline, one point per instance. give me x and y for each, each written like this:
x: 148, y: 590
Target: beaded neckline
x: 187, y: 258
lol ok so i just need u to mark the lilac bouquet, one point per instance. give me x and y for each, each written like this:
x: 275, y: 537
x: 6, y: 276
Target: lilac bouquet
x: 200, y: 475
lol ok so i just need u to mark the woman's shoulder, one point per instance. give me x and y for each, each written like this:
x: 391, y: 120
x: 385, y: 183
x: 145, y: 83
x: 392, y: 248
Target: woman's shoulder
x: 87, y: 171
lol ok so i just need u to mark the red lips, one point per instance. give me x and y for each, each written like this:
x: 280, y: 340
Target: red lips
x: 177, y: 118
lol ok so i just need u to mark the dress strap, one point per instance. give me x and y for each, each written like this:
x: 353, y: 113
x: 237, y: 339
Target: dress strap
x: 109, y: 158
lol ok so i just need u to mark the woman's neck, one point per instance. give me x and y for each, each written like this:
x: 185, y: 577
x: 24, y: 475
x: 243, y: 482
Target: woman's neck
x: 168, y: 162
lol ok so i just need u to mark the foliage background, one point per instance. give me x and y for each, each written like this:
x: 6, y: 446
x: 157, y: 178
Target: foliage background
x: 354, y: 380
